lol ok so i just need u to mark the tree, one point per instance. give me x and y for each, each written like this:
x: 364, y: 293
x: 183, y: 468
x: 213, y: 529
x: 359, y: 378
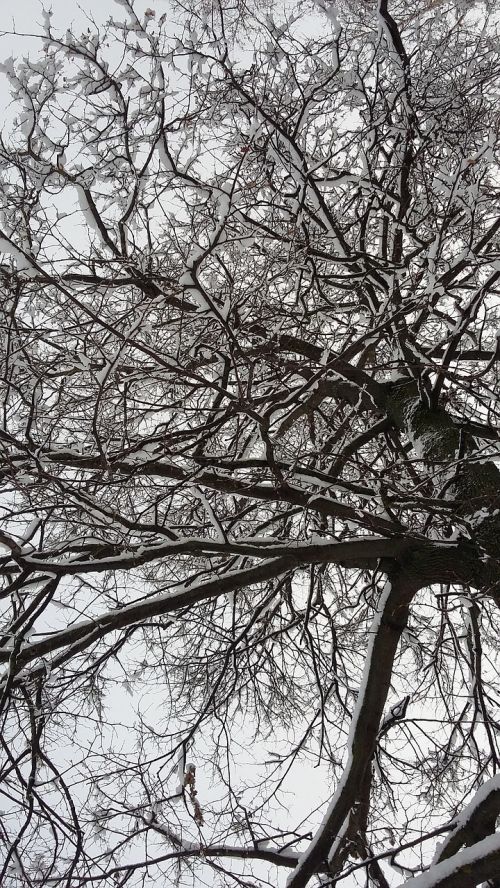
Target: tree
x: 249, y: 448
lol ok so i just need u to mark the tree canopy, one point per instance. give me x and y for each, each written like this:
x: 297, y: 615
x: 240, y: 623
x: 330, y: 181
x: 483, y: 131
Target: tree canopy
x: 249, y: 462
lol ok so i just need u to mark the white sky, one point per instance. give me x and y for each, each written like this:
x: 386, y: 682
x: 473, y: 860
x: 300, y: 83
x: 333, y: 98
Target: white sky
x: 25, y: 16
x: 27, y: 13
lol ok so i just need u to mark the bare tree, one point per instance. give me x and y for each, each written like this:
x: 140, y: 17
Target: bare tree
x: 249, y: 447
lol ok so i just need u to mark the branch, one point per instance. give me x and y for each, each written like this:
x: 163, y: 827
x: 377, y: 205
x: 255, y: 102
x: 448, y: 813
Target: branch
x: 475, y: 822
x: 357, y: 553
x: 465, y: 869
x: 363, y: 552
x: 385, y: 632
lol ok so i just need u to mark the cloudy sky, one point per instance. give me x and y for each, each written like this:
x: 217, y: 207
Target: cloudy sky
x: 25, y: 16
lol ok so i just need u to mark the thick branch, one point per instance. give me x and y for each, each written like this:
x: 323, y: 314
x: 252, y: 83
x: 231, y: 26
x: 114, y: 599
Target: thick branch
x: 385, y: 632
x: 354, y: 554
x: 476, y: 821
x: 465, y: 869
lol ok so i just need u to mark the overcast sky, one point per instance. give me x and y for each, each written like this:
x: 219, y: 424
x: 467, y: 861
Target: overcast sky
x: 26, y: 15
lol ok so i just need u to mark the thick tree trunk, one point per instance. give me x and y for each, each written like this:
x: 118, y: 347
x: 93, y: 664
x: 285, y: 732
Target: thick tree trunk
x: 474, y: 483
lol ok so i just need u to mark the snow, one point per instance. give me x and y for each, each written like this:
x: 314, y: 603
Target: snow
x: 101, y: 375
x: 7, y: 67
x: 186, y: 280
x: 490, y: 786
x: 46, y: 17
x: 197, y: 295
x: 85, y: 209
x: 468, y: 857
x: 210, y: 513
x: 195, y: 258
x: 164, y: 158
x: 181, y: 758
x: 330, y: 10
x: 22, y: 261
x: 339, y: 839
